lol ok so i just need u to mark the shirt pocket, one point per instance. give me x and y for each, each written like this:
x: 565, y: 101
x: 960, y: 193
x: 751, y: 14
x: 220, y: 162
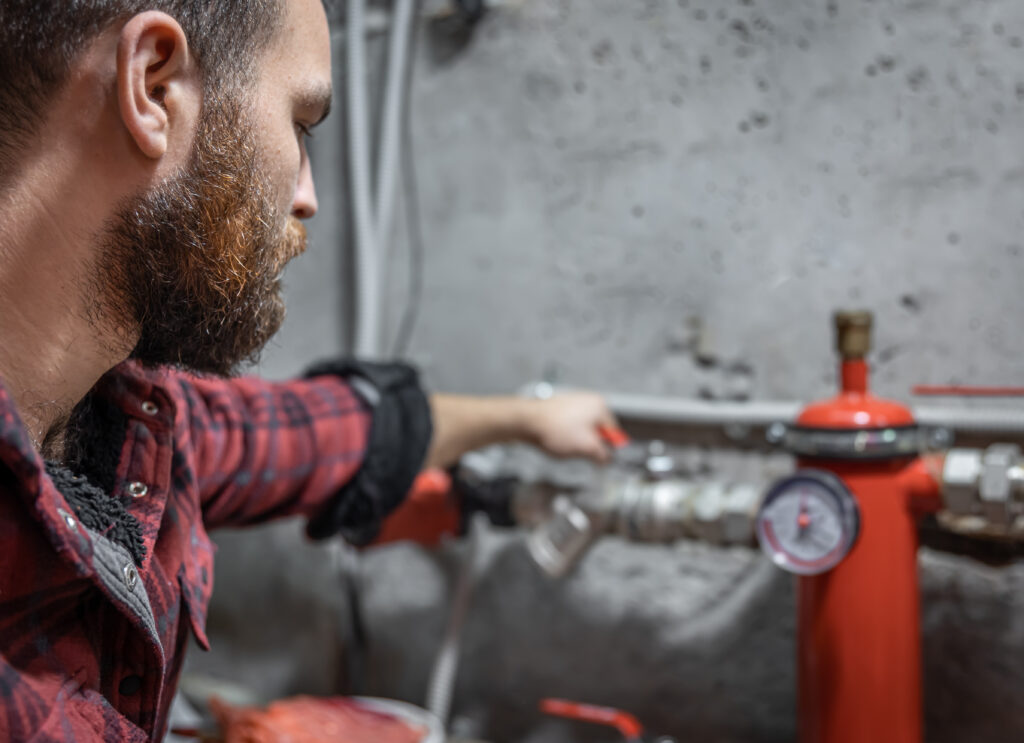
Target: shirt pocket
x: 196, y: 579
x: 81, y: 714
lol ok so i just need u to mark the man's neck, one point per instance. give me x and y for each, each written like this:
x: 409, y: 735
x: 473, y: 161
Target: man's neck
x: 54, y: 343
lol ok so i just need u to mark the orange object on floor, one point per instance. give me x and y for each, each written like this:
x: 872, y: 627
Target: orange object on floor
x: 625, y: 723
x: 312, y: 720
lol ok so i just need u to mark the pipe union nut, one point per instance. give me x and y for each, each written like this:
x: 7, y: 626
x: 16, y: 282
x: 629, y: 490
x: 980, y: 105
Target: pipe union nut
x: 995, y: 486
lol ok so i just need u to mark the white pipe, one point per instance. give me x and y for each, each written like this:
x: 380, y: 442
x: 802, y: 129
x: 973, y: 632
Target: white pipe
x: 995, y: 421
x: 389, y: 154
x: 367, y: 283
x: 701, y: 412
x: 976, y: 420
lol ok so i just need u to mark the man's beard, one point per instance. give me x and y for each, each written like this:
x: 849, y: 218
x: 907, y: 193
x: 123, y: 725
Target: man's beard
x: 195, y: 263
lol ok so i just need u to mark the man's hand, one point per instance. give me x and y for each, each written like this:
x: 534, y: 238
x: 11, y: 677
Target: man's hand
x: 566, y: 425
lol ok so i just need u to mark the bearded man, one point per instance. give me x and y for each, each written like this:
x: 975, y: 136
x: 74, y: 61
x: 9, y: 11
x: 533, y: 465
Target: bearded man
x: 153, y: 173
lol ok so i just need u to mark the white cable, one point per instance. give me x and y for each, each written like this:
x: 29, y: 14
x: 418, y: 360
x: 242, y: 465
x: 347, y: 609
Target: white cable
x: 367, y: 284
x: 441, y: 689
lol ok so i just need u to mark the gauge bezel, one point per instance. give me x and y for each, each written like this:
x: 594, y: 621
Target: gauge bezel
x: 849, y: 515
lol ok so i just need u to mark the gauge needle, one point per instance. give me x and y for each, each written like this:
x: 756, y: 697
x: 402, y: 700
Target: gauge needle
x: 803, y: 519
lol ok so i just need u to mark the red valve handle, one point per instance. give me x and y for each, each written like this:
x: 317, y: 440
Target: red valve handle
x: 624, y: 722
x: 613, y: 436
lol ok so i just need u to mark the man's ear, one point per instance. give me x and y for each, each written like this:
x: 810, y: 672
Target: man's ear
x: 157, y: 81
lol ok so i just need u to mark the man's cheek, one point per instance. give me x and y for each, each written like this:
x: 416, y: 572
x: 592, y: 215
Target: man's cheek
x: 280, y: 172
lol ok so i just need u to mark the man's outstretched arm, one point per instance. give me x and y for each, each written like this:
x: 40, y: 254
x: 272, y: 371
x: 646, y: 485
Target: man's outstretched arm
x: 566, y: 425
x: 344, y: 445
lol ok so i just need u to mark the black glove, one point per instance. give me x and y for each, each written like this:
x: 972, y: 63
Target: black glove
x: 396, y: 449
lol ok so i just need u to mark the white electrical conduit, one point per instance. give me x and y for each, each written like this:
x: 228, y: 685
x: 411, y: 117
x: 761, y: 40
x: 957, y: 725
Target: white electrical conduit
x: 441, y: 688
x: 389, y: 153
x: 367, y: 283
x: 373, y: 225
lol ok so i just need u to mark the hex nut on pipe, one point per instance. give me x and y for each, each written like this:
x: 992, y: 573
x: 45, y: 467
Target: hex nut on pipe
x: 960, y: 473
x: 740, y: 514
x: 995, y: 488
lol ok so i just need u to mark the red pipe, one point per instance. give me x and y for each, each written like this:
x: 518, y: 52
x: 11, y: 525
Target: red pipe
x: 853, y: 376
x: 859, y: 625
x: 860, y: 642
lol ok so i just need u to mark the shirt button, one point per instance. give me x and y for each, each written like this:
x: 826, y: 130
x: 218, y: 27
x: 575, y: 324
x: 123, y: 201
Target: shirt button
x: 68, y: 519
x: 131, y: 576
x: 138, y: 489
x: 130, y: 685
x: 149, y: 408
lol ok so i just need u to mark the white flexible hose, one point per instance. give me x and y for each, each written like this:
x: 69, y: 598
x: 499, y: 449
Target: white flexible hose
x: 442, y: 677
x: 367, y: 284
x: 389, y: 153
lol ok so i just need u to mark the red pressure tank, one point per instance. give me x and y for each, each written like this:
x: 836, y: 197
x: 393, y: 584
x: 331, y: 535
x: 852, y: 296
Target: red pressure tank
x: 846, y: 524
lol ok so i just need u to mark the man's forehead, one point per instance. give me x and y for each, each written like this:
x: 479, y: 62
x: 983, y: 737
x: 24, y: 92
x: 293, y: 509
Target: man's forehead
x: 295, y: 70
x: 307, y: 21
x: 302, y: 50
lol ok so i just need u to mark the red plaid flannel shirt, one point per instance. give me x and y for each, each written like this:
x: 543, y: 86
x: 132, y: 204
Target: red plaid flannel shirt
x: 90, y: 645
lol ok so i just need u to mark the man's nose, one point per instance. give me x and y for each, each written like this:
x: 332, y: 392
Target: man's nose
x: 304, y: 205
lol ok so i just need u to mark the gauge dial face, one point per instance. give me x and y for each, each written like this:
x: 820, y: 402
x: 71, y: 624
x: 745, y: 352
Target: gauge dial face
x: 808, y: 522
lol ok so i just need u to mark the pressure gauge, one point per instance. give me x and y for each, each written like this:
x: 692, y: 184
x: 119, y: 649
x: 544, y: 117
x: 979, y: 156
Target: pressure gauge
x: 808, y: 523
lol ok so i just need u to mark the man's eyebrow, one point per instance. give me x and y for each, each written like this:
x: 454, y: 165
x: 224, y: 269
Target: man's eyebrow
x: 316, y: 99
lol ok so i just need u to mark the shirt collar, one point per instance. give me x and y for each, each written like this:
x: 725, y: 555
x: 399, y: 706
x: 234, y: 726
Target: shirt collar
x: 30, y: 481
x: 138, y: 391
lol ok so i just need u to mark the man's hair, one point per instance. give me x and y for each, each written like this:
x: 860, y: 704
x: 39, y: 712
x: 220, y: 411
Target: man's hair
x: 40, y: 40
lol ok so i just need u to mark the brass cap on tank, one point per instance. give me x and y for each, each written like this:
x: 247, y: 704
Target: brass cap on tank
x: 853, y: 333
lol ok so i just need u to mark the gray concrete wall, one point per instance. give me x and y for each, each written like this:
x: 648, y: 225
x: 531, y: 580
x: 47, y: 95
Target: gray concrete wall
x: 601, y: 176
x: 671, y: 197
